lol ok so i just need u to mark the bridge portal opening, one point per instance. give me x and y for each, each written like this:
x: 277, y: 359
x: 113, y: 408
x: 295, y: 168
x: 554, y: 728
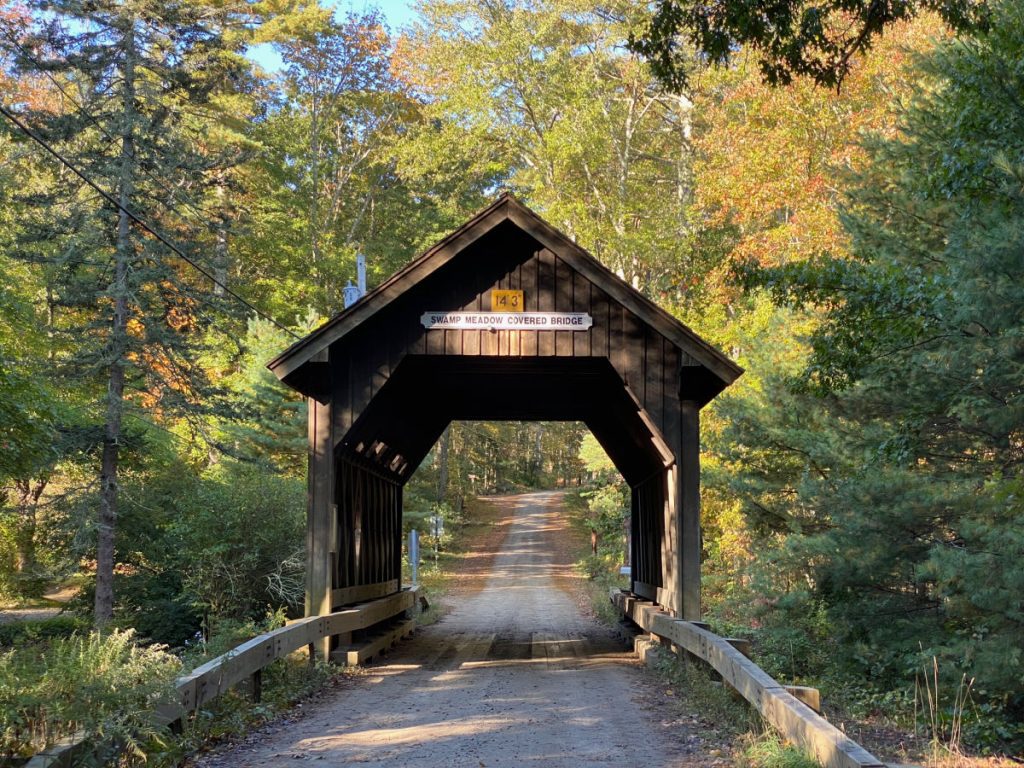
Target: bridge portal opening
x: 488, y: 459
x: 505, y: 319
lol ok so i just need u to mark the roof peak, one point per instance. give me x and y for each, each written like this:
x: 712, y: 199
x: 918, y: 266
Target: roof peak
x: 505, y: 208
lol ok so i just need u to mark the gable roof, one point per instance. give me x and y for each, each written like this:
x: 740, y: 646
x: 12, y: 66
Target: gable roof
x: 505, y: 208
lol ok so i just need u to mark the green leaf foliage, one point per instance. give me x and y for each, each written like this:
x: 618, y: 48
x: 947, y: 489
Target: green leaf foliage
x: 886, y: 478
x: 790, y: 39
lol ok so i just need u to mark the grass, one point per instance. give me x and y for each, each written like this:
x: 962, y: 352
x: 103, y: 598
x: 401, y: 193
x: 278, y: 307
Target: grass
x: 18, y: 634
x: 767, y: 750
x: 100, y: 685
x: 755, y: 744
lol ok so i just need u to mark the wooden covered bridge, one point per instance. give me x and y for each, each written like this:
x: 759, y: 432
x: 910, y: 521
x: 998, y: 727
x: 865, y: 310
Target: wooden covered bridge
x: 504, y: 319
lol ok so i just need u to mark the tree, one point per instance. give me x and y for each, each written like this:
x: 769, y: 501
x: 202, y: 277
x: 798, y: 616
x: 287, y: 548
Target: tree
x: 325, y: 187
x: 268, y: 424
x: 543, y: 98
x: 127, y: 319
x: 892, y: 465
x: 820, y: 40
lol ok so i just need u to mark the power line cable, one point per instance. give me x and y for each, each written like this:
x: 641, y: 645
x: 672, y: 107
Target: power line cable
x: 138, y: 220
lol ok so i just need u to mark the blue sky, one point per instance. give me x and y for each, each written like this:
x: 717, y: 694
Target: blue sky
x: 398, y: 13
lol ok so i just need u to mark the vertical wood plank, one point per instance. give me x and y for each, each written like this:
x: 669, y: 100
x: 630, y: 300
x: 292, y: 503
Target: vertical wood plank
x: 350, y: 502
x: 358, y: 516
x: 563, y: 303
x: 528, y: 282
x: 599, y: 332
x: 375, y: 520
x: 654, y: 378
x: 546, y: 300
x: 641, y: 535
x: 341, y: 400
x: 453, y: 342
x: 399, y: 492
x: 380, y: 369
x: 381, y: 525
x: 503, y: 335
x: 633, y: 353
x: 670, y: 393
x: 471, y: 339
x: 582, y: 301
x: 346, y: 519
x: 390, y: 538
x: 515, y: 337
x: 378, y: 525
x: 616, y: 340
x: 634, y: 522
x: 435, y: 342
x: 488, y: 339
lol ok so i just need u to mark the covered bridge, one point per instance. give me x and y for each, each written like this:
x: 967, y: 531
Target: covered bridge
x: 504, y: 319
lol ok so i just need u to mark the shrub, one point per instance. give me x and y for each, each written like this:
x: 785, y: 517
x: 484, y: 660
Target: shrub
x: 21, y: 633
x: 104, y: 686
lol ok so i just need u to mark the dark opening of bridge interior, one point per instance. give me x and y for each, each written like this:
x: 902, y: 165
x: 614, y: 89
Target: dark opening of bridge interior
x: 383, y: 382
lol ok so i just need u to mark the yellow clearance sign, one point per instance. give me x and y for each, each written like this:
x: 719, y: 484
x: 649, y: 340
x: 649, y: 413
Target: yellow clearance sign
x: 506, y: 301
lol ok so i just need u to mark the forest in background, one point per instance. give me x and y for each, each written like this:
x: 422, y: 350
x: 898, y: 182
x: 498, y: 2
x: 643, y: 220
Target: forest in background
x: 857, y: 249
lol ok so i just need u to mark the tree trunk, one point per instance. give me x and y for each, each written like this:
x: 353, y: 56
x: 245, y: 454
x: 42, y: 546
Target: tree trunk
x: 107, y: 522
x: 442, y: 472
x: 25, y: 535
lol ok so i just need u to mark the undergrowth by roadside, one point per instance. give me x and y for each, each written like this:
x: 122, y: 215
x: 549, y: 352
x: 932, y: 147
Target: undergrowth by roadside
x: 465, y: 555
x: 58, y: 679
x: 758, y: 746
x: 106, y: 687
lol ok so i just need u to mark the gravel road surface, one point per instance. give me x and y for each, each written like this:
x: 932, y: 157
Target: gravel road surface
x: 514, y: 675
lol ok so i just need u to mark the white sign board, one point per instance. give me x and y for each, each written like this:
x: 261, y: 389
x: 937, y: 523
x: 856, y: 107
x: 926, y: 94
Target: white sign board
x: 507, y: 321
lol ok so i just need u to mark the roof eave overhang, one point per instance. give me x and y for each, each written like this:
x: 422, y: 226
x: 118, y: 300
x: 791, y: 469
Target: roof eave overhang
x: 506, y: 208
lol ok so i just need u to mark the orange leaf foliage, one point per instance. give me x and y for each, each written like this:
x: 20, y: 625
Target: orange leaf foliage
x: 771, y: 160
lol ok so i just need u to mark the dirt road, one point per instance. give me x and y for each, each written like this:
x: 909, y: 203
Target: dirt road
x: 514, y: 675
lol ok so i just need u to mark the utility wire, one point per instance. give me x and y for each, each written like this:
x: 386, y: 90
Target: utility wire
x: 138, y: 221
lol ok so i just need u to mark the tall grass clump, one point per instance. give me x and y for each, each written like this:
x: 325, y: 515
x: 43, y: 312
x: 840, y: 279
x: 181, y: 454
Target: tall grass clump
x: 102, y: 686
x: 767, y: 750
x: 944, y: 720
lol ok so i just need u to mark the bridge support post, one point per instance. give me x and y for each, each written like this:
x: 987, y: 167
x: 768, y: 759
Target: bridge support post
x: 319, y: 509
x: 687, y: 532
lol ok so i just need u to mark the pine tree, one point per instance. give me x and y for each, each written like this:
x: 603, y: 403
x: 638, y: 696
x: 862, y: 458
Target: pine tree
x: 129, y: 315
x: 893, y: 466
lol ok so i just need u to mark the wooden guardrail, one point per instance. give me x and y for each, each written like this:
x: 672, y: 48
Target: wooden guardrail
x: 794, y: 719
x: 246, y: 662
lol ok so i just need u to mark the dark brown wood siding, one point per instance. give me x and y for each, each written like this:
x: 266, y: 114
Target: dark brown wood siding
x: 648, y: 505
x: 368, y: 545
x: 647, y: 362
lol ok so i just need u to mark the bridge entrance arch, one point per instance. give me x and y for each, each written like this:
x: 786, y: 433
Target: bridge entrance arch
x: 504, y: 319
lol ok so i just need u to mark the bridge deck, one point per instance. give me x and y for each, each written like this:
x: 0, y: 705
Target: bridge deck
x: 514, y: 675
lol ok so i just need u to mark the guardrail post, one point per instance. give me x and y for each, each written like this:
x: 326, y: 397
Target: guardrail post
x: 256, y: 686
x: 414, y: 555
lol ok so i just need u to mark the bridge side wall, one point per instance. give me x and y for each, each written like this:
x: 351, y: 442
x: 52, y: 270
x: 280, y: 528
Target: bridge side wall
x: 367, y: 540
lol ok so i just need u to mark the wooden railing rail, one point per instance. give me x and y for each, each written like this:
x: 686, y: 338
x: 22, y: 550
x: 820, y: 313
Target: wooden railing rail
x: 246, y: 661
x: 795, y: 720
